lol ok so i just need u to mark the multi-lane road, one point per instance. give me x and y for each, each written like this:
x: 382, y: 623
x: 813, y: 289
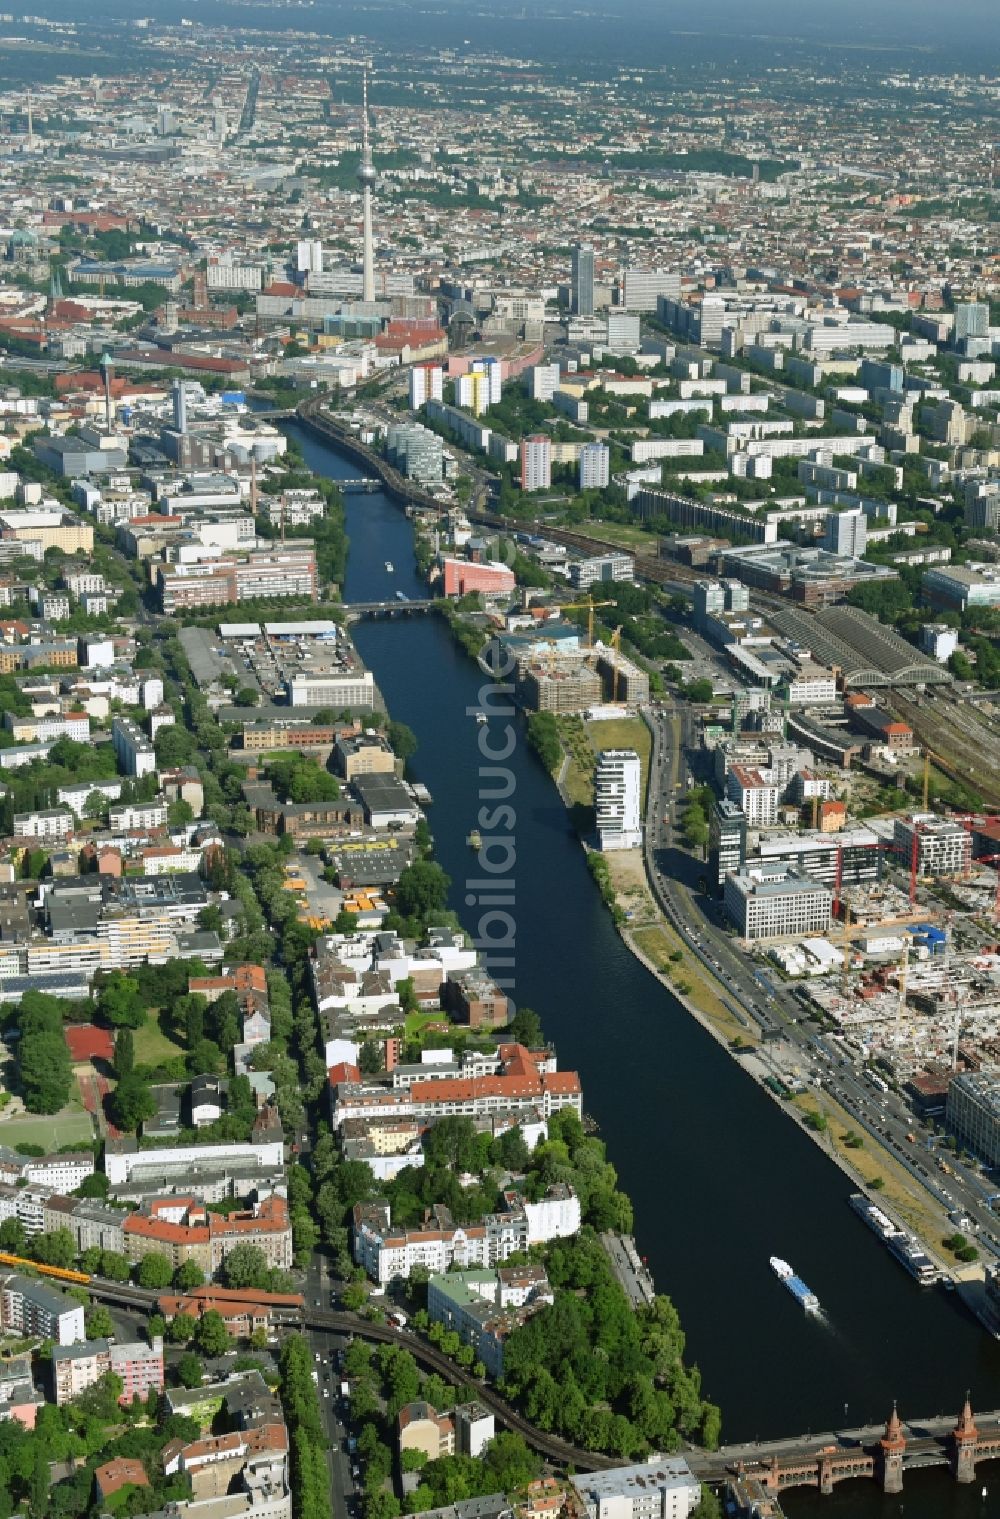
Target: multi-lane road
x: 673, y: 875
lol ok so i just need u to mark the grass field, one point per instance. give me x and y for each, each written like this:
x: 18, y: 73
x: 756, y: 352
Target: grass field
x: 622, y: 534
x: 658, y: 942
x: 581, y: 741
x: 415, y: 1023
x: 151, y: 1044
x: 72, y: 1126
x: 624, y: 733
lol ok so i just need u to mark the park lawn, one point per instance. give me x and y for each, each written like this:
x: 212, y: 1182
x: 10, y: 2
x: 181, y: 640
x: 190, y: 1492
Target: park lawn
x: 151, y: 1045
x: 623, y: 733
x: 415, y: 1023
x: 73, y: 1125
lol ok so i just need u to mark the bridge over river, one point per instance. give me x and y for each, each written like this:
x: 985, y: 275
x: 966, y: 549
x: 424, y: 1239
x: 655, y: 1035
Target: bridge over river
x: 882, y: 1452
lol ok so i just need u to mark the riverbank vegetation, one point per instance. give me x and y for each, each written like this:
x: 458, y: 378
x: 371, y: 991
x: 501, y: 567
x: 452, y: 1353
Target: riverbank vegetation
x: 600, y: 1373
x: 598, y: 866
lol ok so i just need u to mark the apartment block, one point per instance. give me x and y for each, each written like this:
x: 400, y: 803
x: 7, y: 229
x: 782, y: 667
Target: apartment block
x: 942, y: 847
x: 129, y: 815
x: 754, y: 794
x: 595, y: 466
x: 390, y: 1254
x: 484, y: 1307
x: 77, y: 1367
x: 133, y: 751
x: 30, y: 1307
x: 536, y: 462
x: 584, y: 573
x: 618, y: 798
x: 665, y: 1488
x: 286, y: 570
x: 55, y: 823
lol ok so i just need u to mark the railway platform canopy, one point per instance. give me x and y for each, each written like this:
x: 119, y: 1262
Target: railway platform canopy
x: 862, y: 648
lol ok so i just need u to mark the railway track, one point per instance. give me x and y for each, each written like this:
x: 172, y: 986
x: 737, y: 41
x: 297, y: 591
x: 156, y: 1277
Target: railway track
x: 962, y: 745
x: 335, y: 1322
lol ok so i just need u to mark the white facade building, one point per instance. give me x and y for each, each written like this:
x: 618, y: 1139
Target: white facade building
x: 777, y: 902
x: 595, y: 466
x: 846, y: 533
x: 543, y: 381
x: 662, y: 1489
x: 133, y: 750
x: 755, y: 795
x: 536, y: 463
x: 618, y: 798
x: 426, y: 384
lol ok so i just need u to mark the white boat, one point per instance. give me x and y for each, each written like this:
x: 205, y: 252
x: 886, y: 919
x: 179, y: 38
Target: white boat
x: 796, y: 1286
x: 482, y: 719
x: 389, y: 566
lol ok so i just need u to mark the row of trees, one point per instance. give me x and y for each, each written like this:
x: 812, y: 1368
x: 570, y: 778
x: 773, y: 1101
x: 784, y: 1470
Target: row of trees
x: 45, y: 1069
x: 309, y: 1475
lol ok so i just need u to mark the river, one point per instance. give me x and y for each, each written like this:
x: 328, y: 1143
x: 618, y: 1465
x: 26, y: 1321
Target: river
x: 719, y: 1178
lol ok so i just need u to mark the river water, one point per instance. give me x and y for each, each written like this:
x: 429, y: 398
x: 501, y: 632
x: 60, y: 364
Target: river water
x: 719, y: 1178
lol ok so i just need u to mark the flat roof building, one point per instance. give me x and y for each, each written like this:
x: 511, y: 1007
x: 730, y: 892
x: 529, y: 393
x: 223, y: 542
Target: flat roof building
x: 774, y: 901
x: 662, y: 1489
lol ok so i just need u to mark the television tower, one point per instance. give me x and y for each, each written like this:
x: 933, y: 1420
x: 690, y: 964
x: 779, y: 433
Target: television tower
x: 366, y: 179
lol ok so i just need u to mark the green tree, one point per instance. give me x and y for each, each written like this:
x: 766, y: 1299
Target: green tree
x: 45, y: 1069
x: 124, y: 1052
x: 188, y: 1275
x: 543, y: 737
x: 12, y: 1236
x: 402, y: 740
x: 119, y: 1001
x: 370, y: 1060
x: 211, y: 1336
x: 190, y: 1370
x: 179, y: 813
x: 98, y: 1323
x: 246, y: 1266
x: 113, y: 1265
x: 526, y: 1028
x: 422, y: 889
x: 131, y: 1103
x: 155, y: 1271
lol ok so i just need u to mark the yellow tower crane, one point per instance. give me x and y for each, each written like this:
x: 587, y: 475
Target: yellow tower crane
x: 589, y: 607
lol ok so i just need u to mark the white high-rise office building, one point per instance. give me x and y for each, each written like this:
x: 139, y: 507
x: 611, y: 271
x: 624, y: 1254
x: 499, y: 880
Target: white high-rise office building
x: 582, y: 280
x: 595, y: 466
x: 426, y: 384
x: 623, y: 329
x: 642, y: 288
x: 618, y: 798
x: 846, y: 533
x: 309, y: 255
